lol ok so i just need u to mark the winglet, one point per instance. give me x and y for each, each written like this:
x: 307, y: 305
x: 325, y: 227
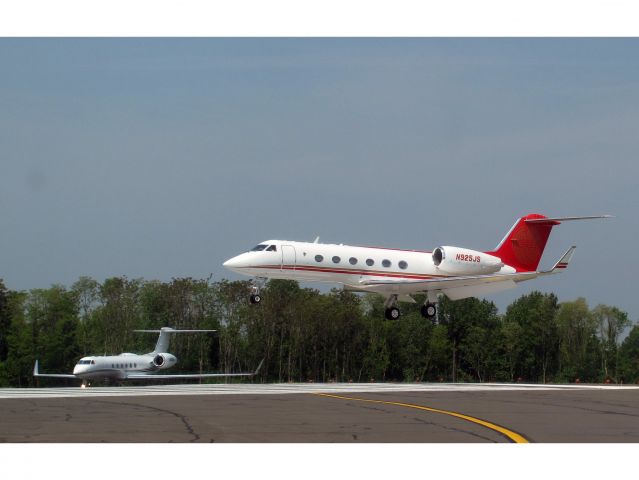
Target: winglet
x: 35, y: 369
x: 258, y: 367
x: 562, y: 263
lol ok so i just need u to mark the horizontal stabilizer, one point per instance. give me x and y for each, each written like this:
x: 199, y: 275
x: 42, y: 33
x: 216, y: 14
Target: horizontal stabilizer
x: 564, y: 219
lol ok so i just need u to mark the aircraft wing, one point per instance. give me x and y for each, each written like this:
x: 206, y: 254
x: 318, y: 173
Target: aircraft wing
x: 36, y: 373
x: 151, y: 376
x: 458, y: 287
x: 454, y: 287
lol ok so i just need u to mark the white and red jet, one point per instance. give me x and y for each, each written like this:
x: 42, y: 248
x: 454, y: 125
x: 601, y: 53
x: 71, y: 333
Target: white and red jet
x: 396, y: 274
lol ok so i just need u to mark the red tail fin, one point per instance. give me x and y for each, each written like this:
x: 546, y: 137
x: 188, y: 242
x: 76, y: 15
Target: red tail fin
x: 524, y: 244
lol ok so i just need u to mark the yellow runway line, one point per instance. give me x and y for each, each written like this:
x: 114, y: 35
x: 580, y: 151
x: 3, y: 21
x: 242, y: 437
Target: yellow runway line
x: 509, y: 434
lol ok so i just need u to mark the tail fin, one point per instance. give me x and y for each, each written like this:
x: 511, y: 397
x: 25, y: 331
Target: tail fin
x: 524, y: 244
x: 162, y: 345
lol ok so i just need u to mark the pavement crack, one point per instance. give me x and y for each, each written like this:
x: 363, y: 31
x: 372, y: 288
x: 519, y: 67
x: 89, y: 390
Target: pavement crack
x: 452, y: 429
x: 182, y: 418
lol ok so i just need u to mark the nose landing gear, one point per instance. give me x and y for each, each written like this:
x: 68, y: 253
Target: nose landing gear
x: 255, y: 298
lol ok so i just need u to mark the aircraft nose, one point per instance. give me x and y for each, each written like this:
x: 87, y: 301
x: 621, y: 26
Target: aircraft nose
x: 233, y: 263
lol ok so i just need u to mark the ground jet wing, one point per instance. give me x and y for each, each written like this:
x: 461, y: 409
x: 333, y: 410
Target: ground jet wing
x: 134, y: 376
x: 36, y: 373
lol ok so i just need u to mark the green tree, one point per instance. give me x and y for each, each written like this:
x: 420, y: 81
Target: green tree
x: 470, y: 323
x: 629, y: 357
x: 511, y: 334
x: 535, y: 314
x: 578, y: 342
x: 5, y: 321
x: 611, y: 322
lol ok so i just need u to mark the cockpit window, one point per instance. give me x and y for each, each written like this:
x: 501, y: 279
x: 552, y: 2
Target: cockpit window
x: 258, y: 248
x: 272, y: 248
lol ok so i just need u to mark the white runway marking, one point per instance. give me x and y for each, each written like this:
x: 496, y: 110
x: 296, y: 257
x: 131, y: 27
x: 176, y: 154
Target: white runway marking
x: 286, y: 388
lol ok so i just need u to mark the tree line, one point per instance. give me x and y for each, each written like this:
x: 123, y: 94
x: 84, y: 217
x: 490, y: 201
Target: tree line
x: 304, y: 335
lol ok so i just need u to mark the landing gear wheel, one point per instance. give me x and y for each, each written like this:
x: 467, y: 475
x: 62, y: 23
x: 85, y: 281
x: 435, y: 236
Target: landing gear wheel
x: 429, y: 310
x: 392, y: 313
x: 255, y: 298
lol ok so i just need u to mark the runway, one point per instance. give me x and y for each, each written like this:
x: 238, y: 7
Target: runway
x: 322, y: 413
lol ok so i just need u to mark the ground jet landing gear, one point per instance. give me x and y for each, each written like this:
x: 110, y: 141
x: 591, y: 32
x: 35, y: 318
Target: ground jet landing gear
x: 391, y: 312
x: 255, y: 297
x: 429, y: 310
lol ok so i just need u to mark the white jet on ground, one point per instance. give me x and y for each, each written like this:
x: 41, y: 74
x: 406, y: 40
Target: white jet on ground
x: 131, y: 366
x: 397, y: 274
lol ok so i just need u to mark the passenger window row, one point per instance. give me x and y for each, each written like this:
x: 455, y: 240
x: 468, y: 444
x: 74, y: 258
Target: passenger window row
x: 124, y: 365
x: 369, y: 261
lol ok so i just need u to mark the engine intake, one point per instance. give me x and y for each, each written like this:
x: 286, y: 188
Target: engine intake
x: 158, y: 360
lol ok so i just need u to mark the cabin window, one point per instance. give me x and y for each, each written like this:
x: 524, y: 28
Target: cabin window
x: 402, y: 264
x: 319, y: 258
x: 272, y: 248
x: 352, y: 261
x: 370, y: 262
x: 258, y: 248
x: 386, y: 263
x: 336, y: 259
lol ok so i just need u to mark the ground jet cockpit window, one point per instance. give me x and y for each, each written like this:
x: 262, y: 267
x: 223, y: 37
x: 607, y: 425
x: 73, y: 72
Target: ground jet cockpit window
x: 258, y: 248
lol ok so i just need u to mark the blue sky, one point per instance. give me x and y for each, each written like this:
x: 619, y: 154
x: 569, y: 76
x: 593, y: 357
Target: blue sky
x: 160, y: 158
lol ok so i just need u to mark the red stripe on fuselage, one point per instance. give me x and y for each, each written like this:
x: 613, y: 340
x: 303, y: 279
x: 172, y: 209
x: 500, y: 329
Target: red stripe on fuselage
x: 348, y: 272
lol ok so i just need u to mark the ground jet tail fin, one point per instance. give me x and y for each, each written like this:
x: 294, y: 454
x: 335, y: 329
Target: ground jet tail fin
x: 162, y: 345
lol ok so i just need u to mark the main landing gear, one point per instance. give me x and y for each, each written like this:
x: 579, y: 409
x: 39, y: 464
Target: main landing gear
x: 429, y: 310
x: 391, y: 312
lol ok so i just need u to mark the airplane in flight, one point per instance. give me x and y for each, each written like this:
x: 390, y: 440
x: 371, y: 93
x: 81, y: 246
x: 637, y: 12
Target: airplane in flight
x: 397, y: 274
x: 131, y: 366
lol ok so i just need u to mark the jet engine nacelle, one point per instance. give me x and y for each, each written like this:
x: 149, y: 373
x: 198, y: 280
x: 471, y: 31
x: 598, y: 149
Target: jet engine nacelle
x: 461, y: 261
x: 163, y: 360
